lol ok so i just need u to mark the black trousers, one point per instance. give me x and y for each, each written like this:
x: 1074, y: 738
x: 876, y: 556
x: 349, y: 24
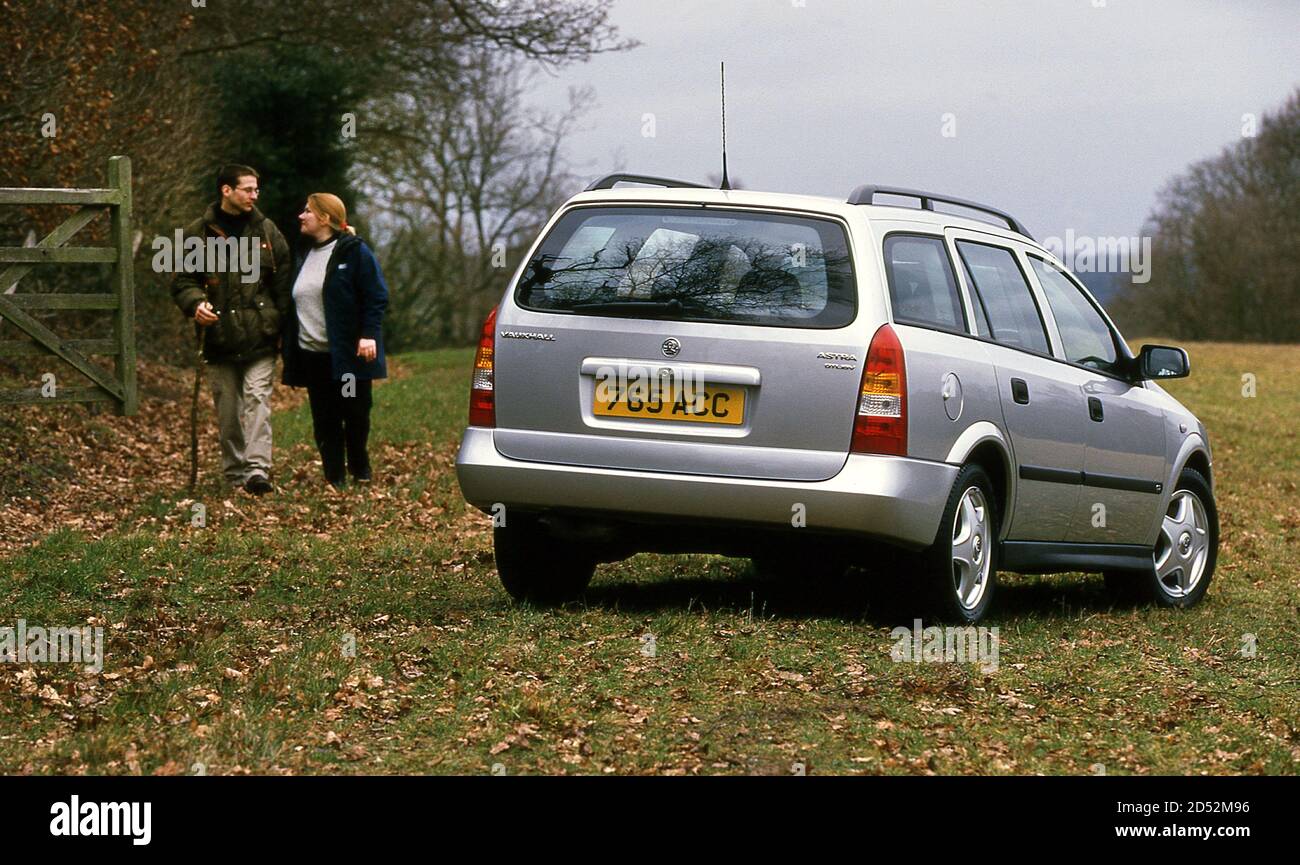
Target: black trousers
x: 340, y: 417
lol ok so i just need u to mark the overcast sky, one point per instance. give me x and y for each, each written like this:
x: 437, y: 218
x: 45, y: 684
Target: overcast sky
x: 1066, y: 115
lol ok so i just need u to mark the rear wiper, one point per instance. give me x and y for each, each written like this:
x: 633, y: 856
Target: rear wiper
x: 632, y: 307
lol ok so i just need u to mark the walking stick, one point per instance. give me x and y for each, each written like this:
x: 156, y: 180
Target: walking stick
x: 199, y: 333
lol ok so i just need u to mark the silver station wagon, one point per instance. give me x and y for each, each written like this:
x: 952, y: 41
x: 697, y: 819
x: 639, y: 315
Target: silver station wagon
x: 815, y: 383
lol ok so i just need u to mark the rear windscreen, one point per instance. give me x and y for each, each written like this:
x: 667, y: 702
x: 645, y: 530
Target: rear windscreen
x: 693, y: 265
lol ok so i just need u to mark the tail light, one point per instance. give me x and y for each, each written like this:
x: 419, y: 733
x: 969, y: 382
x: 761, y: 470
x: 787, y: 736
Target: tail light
x: 880, y: 426
x: 482, y: 390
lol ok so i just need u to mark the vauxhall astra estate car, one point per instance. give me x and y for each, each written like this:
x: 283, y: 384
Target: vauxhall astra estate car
x: 812, y: 383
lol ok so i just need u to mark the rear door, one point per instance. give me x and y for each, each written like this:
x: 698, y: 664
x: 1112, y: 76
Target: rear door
x: 700, y: 340
x: 1043, y: 410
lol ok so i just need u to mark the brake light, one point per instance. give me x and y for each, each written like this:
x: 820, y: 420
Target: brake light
x: 482, y: 389
x: 880, y: 425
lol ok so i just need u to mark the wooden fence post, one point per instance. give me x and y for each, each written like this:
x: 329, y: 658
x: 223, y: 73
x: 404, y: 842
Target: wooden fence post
x: 119, y: 178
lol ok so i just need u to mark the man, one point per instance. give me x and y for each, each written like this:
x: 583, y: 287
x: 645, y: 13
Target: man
x: 239, y: 302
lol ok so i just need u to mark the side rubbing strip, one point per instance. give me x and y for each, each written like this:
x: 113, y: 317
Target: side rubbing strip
x: 1109, y: 482
x: 1051, y: 476
x: 1113, y: 482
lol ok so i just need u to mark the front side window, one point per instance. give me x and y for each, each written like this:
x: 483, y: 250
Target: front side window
x: 692, y: 264
x: 1085, y: 336
x: 922, y: 286
x: 1008, y: 312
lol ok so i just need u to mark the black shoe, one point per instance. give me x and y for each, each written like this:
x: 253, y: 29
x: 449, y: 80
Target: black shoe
x: 363, y: 479
x: 258, y: 485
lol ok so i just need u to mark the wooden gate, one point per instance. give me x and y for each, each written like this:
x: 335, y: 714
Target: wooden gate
x: 118, y: 385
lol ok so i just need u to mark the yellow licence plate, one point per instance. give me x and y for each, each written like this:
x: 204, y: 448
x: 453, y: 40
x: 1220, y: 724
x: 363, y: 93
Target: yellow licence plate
x: 709, y: 404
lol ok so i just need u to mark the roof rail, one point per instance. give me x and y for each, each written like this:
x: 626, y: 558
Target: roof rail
x: 609, y: 181
x: 867, y: 195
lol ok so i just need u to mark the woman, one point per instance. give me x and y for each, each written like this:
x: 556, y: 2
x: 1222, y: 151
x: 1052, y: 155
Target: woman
x: 333, y: 341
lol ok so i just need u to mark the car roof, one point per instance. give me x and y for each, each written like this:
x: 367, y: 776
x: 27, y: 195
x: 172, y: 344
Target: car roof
x: 823, y: 204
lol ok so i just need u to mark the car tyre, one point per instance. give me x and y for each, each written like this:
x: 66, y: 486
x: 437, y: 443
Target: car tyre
x: 536, y: 568
x: 1185, y: 554
x: 959, y: 570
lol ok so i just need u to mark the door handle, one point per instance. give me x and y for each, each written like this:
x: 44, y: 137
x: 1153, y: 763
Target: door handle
x: 1020, y: 391
x: 1094, y: 409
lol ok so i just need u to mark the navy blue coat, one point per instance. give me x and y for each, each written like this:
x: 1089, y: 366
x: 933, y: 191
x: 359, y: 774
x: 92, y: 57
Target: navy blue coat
x: 355, y: 299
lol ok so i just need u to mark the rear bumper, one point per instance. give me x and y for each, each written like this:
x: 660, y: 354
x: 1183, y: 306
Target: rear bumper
x: 880, y: 497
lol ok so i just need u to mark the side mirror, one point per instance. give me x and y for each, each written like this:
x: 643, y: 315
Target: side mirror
x: 1163, y: 361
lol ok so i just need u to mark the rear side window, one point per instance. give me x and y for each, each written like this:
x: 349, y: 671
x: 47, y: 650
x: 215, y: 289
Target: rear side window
x: 922, y: 286
x: 1009, y: 313
x: 1084, y: 334
x: 693, y: 264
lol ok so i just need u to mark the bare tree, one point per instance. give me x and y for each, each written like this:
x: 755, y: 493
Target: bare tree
x: 418, y: 41
x: 460, y: 181
x: 1226, y: 243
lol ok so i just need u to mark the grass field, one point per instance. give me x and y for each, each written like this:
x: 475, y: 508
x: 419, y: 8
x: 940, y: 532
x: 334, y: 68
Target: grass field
x: 229, y: 646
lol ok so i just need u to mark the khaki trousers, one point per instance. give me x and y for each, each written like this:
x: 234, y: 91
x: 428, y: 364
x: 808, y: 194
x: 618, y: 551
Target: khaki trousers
x: 242, y: 393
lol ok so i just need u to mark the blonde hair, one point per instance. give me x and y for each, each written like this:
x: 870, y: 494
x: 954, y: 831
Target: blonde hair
x: 330, y: 210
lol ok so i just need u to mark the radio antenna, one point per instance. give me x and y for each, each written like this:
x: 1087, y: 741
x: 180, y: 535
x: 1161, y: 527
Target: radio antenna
x: 726, y: 184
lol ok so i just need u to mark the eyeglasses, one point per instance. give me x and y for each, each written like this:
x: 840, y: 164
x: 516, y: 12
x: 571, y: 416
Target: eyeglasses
x: 252, y: 189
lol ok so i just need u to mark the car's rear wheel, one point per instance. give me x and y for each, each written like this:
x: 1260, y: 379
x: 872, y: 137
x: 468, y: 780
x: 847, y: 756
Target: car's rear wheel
x: 960, y: 567
x: 536, y: 568
x: 1185, y: 553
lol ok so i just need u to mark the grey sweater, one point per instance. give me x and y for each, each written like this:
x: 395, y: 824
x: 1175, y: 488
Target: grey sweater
x: 309, y: 297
